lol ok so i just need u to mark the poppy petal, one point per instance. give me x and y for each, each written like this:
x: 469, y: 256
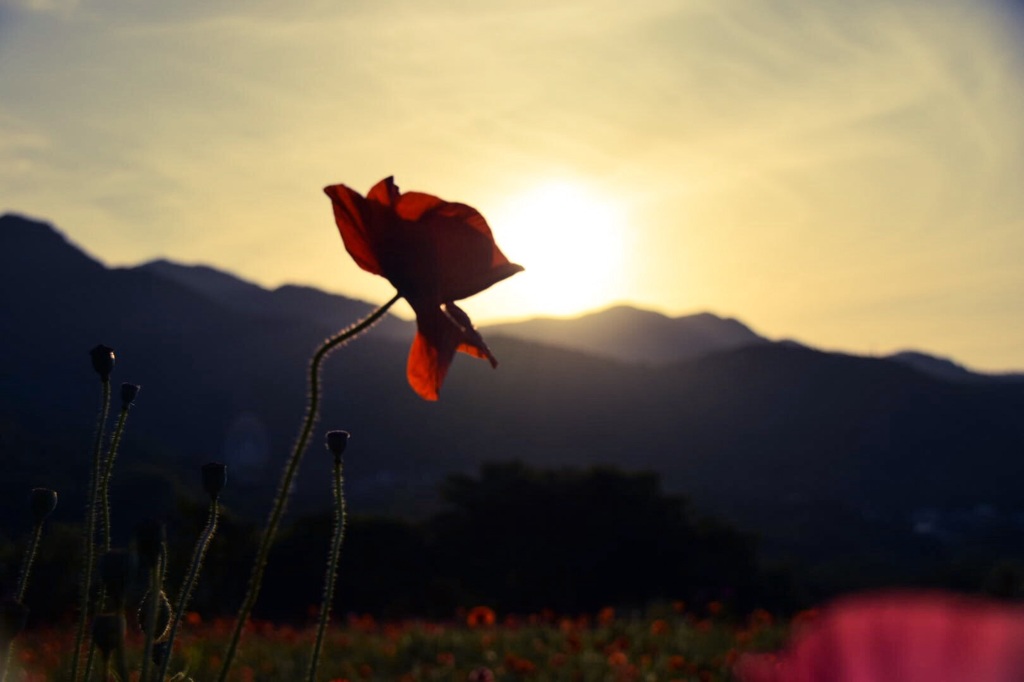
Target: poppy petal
x: 425, y: 370
x: 440, y: 333
x: 354, y: 220
x: 385, y: 193
x: 432, y: 352
x: 447, y: 254
x: 472, y: 343
x: 459, y: 251
x: 412, y: 206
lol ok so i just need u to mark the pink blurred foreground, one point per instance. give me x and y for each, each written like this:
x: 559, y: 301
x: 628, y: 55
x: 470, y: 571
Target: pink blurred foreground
x: 900, y: 637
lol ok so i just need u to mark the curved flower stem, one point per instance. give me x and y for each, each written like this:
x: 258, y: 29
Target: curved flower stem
x: 290, y: 467
x: 332, y: 569
x: 89, y: 535
x: 104, y: 511
x: 108, y: 468
x: 198, y: 554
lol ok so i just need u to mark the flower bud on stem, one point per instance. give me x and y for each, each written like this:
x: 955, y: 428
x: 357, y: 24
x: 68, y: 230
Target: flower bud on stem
x: 42, y: 502
x: 290, y: 467
x: 103, y: 363
x: 336, y: 442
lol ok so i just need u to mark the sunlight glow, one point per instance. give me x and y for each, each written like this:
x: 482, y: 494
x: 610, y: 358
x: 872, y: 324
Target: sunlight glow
x: 572, y: 242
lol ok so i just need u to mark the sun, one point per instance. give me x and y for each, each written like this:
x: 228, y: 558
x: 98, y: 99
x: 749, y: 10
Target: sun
x: 571, y: 240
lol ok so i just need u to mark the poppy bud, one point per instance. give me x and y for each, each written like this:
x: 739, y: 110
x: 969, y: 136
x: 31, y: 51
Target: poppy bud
x: 102, y: 361
x: 336, y: 442
x: 42, y: 502
x: 13, y: 616
x: 163, y: 616
x: 215, y: 477
x: 115, y: 568
x: 128, y: 393
x: 108, y: 632
x: 149, y: 541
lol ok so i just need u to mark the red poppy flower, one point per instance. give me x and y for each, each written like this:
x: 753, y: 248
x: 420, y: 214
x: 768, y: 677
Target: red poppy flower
x: 900, y: 637
x: 434, y: 252
x: 480, y: 616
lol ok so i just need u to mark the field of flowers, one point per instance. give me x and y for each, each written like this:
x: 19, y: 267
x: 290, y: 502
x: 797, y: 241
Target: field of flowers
x: 665, y: 644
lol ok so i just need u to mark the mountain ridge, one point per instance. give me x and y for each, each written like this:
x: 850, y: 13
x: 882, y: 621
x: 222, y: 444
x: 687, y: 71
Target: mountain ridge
x: 761, y: 434
x: 289, y: 301
x: 651, y: 337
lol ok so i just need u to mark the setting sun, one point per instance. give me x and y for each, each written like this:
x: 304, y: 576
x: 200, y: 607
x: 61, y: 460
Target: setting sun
x: 572, y: 242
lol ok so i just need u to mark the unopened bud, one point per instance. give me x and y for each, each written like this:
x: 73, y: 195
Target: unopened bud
x: 128, y: 393
x: 337, y: 441
x: 215, y: 477
x: 42, y: 502
x: 163, y: 616
x: 102, y: 361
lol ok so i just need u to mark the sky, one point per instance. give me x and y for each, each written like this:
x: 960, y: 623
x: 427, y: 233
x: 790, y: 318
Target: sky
x: 848, y: 174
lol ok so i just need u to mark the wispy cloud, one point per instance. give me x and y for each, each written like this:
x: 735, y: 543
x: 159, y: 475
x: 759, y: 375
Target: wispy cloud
x: 62, y: 8
x: 787, y: 147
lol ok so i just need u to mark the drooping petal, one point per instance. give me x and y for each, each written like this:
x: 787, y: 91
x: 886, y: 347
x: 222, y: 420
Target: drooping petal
x: 355, y: 222
x: 440, y: 333
x: 432, y: 352
x: 472, y: 343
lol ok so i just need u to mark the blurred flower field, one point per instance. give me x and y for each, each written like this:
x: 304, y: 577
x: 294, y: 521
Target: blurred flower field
x: 665, y: 644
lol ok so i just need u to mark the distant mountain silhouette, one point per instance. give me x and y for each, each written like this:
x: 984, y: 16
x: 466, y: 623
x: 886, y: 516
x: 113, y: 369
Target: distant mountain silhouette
x: 289, y: 302
x: 822, y: 453
x: 633, y: 335
x: 944, y: 368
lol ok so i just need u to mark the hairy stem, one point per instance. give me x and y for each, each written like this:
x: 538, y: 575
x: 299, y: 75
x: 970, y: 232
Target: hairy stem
x: 89, y: 535
x: 332, y: 569
x: 108, y: 468
x: 26, y: 570
x: 156, y: 586
x: 26, y: 564
x: 290, y: 467
x: 198, y: 554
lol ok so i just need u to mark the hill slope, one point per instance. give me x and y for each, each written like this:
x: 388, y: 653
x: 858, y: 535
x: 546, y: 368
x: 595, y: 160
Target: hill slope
x: 804, y: 446
x: 632, y: 335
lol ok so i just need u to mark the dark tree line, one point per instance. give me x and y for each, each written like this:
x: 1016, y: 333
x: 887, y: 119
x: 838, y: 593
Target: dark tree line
x: 515, y: 538
x: 520, y: 540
